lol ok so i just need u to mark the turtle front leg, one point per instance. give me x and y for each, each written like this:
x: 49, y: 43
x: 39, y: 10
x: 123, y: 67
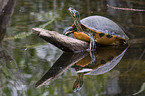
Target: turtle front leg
x: 68, y: 31
x: 92, y: 47
x: 92, y: 43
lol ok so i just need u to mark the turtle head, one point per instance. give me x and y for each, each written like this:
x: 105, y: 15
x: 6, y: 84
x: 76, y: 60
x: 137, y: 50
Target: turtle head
x: 74, y: 13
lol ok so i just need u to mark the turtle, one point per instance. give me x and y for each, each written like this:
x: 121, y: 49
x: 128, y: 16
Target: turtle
x: 95, y: 29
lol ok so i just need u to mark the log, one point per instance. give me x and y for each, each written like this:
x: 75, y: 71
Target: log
x: 65, y: 43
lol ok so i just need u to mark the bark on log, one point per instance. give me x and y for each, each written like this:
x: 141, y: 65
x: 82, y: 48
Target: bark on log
x: 63, y: 42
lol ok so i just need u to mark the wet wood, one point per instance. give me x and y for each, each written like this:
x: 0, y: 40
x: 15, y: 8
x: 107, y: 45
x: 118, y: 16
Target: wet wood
x: 63, y: 42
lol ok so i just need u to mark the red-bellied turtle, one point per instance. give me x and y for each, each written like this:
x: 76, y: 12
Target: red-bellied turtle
x: 95, y: 29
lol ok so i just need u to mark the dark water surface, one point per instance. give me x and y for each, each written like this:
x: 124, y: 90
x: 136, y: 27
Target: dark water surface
x: 25, y: 59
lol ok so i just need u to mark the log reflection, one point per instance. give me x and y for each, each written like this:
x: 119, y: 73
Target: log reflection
x: 106, y: 59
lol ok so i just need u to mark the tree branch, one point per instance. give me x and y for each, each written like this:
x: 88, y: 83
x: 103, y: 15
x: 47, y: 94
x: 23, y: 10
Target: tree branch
x: 63, y: 42
x: 131, y: 9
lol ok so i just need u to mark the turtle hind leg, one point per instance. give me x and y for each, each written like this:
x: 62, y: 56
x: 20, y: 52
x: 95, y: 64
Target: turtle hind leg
x: 122, y: 42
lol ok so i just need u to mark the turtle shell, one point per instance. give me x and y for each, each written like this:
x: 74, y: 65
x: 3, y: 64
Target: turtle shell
x: 101, y: 24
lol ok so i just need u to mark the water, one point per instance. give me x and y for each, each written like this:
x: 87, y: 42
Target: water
x: 24, y: 60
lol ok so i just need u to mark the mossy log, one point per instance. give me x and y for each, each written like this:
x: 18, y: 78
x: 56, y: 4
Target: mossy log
x: 65, y: 43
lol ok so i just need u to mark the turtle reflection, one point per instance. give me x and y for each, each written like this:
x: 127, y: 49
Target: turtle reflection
x: 106, y: 59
